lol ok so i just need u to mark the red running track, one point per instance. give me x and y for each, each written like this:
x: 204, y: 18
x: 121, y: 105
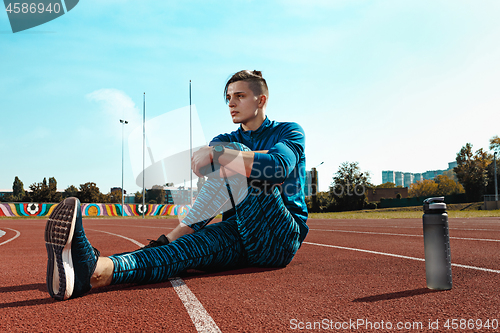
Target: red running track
x: 353, y: 275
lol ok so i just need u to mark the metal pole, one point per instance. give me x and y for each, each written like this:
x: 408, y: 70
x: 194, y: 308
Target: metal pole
x: 495, y: 167
x: 190, y: 148
x: 143, y: 153
x: 314, y: 185
x: 123, y: 122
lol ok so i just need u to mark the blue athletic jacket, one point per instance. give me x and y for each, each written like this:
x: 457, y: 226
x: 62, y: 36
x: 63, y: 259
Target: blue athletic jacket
x: 284, y: 163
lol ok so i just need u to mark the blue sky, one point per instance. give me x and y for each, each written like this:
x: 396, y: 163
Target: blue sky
x: 393, y: 85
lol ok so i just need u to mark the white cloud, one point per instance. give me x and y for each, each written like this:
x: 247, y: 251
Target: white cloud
x: 116, y: 105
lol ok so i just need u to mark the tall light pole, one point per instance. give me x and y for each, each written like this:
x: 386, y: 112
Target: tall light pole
x: 190, y: 148
x: 123, y: 122
x: 319, y: 164
x: 495, y: 167
x: 143, y: 153
x: 314, y: 187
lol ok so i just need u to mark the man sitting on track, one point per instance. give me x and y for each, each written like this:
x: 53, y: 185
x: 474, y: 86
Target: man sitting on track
x: 255, y: 174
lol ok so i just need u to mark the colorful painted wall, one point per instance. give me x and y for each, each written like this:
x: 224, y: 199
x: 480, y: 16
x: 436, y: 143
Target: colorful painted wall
x: 37, y: 209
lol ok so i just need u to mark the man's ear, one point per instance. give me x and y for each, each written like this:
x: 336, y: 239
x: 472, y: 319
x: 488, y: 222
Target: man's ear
x: 262, y: 100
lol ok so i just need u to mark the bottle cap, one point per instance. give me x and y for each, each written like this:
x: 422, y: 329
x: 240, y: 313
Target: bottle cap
x: 434, y: 204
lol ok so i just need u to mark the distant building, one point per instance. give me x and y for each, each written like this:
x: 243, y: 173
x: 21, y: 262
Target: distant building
x: 432, y: 174
x: 129, y: 199
x: 310, y: 182
x: 4, y: 193
x: 399, y: 177
x: 407, y: 178
x: 388, y: 177
x: 417, y: 177
x: 176, y: 195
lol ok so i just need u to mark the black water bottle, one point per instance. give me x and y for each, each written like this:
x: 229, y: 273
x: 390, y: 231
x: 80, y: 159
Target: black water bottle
x: 437, y: 244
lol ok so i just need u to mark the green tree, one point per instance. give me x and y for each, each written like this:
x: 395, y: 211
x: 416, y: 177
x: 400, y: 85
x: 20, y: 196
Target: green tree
x: 450, y: 174
x: 490, y: 187
x: 348, y: 188
x: 18, y: 193
x: 114, y: 197
x: 495, y: 143
x: 54, y: 196
x: 89, y: 193
x: 39, y: 192
x: 138, y: 197
x: 447, y: 186
x: 471, y: 171
x: 71, y: 191
x: 423, y: 188
x: 36, y: 194
x: 495, y: 147
x: 43, y: 192
x: 324, y: 200
x: 156, y: 194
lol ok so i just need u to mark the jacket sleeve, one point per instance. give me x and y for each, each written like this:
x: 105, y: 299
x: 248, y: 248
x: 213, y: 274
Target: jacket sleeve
x: 282, y: 158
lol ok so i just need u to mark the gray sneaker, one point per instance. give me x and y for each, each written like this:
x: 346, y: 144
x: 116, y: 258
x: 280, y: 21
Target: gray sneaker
x: 71, y: 258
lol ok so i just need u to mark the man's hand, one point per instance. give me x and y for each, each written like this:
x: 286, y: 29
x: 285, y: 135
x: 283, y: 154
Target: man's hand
x: 201, y: 158
x: 234, y: 161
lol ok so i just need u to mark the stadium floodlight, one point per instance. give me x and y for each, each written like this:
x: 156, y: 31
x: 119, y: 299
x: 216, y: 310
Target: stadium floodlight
x: 123, y: 122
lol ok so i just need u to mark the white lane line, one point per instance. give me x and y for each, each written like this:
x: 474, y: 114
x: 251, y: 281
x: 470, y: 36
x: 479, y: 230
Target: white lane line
x: 9, y: 240
x: 203, y: 322
x: 133, y: 226
x: 407, y: 227
x: 198, y: 314
x: 477, y: 239
x: 405, y: 235
x: 403, y: 257
x: 129, y: 239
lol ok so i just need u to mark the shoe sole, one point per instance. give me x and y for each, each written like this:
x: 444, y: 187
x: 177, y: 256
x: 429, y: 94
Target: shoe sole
x: 58, y: 238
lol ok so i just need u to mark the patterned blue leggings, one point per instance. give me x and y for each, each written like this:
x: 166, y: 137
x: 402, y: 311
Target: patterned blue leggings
x: 260, y: 232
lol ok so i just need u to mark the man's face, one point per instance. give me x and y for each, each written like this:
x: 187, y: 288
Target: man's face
x: 243, y: 104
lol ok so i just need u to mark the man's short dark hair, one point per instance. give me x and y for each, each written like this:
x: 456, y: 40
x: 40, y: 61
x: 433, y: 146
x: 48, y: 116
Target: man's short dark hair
x: 255, y: 81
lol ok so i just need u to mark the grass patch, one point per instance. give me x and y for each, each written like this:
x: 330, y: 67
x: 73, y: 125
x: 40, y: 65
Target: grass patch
x: 468, y: 210
x: 372, y: 214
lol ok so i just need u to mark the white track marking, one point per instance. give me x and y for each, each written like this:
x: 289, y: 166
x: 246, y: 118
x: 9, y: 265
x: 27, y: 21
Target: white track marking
x: 405, y: 235
x: 9, y: 240
x: 2, y: 233
x: 203, y: 322
x: 198, y: 314
x: 403, y: 257
x: 129, y: 239
x: 408, y: 227
x: 477, y: 239
x: 134, y: 226
x: 404, y: 227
